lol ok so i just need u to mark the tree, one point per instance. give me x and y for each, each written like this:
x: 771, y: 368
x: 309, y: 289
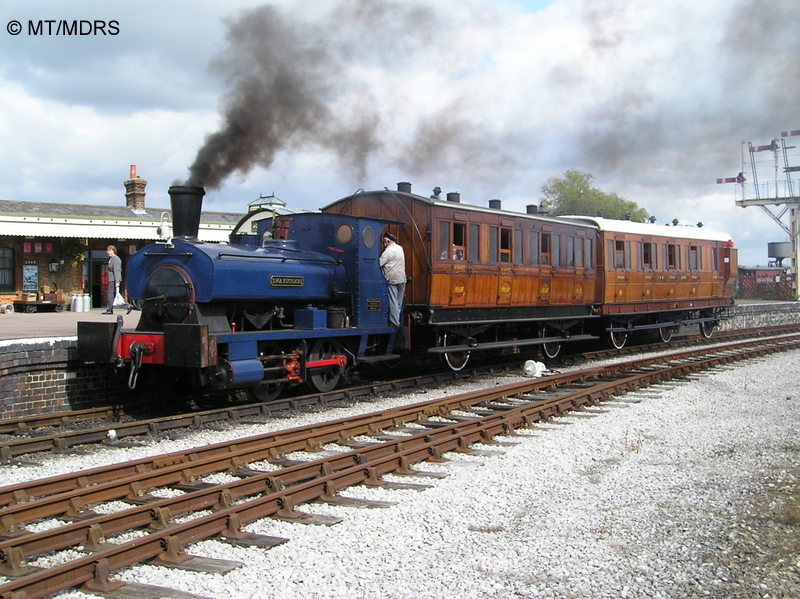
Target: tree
x: 575, y: 194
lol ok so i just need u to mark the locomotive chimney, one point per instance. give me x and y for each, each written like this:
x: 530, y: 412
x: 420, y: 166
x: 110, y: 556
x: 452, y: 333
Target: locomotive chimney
x: 404, y: 186
x: 453, y: 196
x: 494, y: 204
x: 532, y: 209
x: 186, y: 202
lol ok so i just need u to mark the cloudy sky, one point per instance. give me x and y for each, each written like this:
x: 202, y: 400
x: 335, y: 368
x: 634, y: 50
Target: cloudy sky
x: 314, y: 100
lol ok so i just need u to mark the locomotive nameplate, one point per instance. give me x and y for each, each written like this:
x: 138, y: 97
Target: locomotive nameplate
x: 285, y: 281
x: 373, y: 305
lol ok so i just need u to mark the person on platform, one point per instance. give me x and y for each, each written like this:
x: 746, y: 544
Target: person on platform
x: 114, y: 278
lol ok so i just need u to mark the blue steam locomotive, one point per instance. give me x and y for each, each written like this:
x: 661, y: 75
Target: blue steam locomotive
x: 301, y: 301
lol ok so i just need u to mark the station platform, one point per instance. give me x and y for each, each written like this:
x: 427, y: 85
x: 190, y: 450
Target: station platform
x: 49, y: 325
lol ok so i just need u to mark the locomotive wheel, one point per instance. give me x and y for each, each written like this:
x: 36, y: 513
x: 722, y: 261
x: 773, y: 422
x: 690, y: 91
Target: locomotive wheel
x: 707, y: 328
x: 265, y: 392
x: 268, y: 390
x: 666, y: 333
x: 325, y: 379
x: 455, y: 361
x: 618, y: 338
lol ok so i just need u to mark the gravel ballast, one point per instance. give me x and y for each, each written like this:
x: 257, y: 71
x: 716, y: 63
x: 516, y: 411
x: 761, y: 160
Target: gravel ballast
x: 687, y: 489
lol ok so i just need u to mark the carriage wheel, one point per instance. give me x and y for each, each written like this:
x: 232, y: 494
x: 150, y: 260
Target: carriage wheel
x: 324, y: 379
x: 666, y: 333
x: 618, y: 338
x: 455, y: 361
x: 707, y: 328
x: 550, y: 350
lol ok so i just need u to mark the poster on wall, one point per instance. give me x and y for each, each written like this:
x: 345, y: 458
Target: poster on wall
x: 30, y: 278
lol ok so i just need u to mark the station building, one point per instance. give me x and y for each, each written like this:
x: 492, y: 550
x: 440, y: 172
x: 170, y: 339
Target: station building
x: 50, y: 251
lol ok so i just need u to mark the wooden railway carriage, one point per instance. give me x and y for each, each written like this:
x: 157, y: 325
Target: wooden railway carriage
x: 486, y: 279
x: 659, y: 277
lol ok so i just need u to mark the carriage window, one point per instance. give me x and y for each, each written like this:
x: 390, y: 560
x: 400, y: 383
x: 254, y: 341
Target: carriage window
x: 493, y: 244
x: 474, y: 236
x: 579, y: 241
x: 648, y: 256
x: 505, y: 246
x: 587, y: 253
x: 692, y: 257
x: 458, y: 251
x: 556, y: 250
x: 545, y: 248
x: 444, y: 240
x: 6, y: 269
x: 534, y: 247
x: 714, y: 259
x: 619, y: 254
x: 628, y: 255
x: 570, y: 251
x: 672, y: 256
x: 518, y: 246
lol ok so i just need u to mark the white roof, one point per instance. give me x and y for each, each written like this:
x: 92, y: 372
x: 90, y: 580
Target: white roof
x: 38, y: 226
x: 627, y: 226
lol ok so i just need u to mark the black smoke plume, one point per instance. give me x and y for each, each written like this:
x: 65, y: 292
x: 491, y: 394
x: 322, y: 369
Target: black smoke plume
x: 287, y: 79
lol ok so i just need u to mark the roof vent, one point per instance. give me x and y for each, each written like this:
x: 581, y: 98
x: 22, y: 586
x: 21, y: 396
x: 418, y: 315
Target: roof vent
x: 453, y: 196
x: 404, y: 186
x: 532, y: 209
x: 494, y: 204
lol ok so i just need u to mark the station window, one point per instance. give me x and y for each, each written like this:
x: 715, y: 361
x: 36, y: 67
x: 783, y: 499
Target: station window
x: 473, y: 239
x: 6, y: 269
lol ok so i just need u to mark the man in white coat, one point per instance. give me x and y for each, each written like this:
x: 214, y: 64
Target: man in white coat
x: 393, y: 267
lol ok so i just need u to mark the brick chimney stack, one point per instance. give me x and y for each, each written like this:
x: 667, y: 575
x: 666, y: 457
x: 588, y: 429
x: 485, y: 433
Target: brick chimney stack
x: 134, y: 190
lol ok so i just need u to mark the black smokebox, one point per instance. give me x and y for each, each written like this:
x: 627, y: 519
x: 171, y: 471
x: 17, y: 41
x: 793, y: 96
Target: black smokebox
x: 186, y: 202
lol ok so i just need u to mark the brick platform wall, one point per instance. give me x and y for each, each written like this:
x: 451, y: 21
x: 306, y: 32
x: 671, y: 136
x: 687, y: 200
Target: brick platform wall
x: 44, y: 376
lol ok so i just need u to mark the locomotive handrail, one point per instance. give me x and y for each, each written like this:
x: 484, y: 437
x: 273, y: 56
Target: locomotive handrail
x: 187, y: 254
x: 281, y: 258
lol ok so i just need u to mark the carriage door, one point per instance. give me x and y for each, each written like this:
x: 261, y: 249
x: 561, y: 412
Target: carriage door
x: 619, y: 256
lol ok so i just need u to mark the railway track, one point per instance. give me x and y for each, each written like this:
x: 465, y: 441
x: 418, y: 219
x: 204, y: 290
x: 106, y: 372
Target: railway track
x: 351, y: 451
x: 109, y: 425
